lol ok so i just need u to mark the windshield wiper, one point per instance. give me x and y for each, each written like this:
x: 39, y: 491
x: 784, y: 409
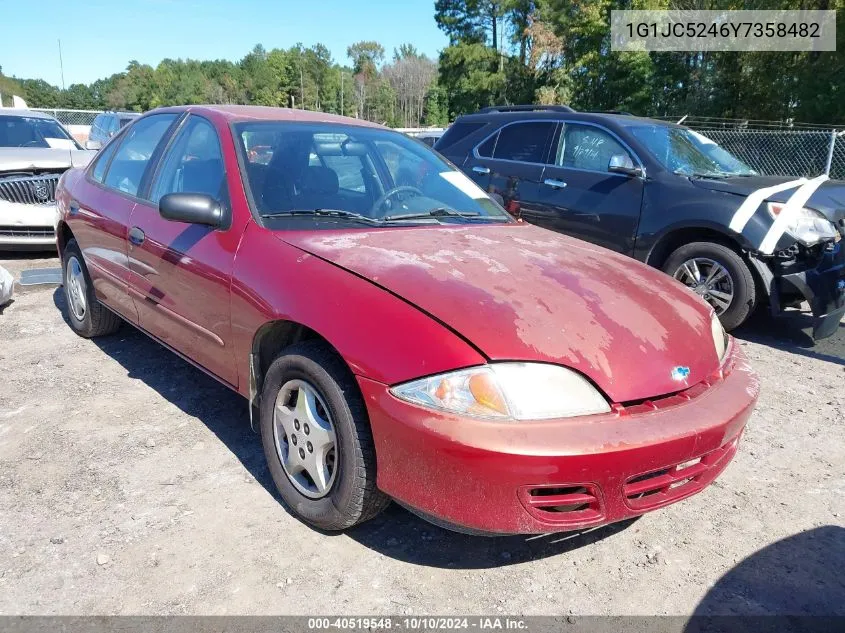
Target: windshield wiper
x: 438, y: 212
x: 332, y: 213
x: 698, y: 174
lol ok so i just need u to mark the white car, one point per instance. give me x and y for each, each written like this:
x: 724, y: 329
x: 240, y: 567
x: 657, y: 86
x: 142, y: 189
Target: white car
x: 35, y: 150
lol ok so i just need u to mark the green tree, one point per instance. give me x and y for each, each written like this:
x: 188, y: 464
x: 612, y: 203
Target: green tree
x: 366, y: 57
x: 470, y: 77
x: 8, y: 88
x: 38, y: 91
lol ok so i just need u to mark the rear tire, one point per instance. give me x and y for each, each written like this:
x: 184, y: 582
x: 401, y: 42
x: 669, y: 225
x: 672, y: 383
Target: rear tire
x: 734, y: 278
x: 346, y: 492
x: 86, y: 315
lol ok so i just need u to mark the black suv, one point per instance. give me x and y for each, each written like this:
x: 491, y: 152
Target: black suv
x: 668, y: 196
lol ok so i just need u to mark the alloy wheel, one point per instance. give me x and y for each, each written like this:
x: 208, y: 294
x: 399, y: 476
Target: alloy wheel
x: 710, y: 280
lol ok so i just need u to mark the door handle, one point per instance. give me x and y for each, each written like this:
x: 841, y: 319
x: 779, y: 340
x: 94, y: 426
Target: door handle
x: 481, y: 169
x: 136, y: 236
x: 556, y: 184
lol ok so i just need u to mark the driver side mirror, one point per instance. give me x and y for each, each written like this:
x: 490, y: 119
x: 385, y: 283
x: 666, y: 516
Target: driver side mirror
x: 622, y: 164
x: 193, y: 208
x: 93, y: 145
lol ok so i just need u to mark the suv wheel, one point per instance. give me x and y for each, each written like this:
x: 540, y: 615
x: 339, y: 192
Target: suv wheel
x: 719, y: 275
x: 317, y: 439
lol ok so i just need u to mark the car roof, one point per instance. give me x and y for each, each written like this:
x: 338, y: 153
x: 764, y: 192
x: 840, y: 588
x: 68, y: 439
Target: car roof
x: 236, y: 113
x: 33, y: 114
x: 589, y: 117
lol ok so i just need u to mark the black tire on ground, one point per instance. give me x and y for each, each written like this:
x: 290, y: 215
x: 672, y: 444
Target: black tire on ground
x: 97, y: 320
x: 745, y: 293
x: 353, y: 497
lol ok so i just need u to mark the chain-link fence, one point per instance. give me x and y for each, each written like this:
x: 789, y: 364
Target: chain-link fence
x: 837, y: 157
x: 777, y: 148
x: 72, y: 117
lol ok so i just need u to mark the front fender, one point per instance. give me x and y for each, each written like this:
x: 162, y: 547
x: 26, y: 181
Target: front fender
x: 379, y: 335
x: 670, y: 207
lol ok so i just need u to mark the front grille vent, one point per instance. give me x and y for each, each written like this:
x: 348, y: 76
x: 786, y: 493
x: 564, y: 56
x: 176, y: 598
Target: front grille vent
x: 661, y: 487
x: 29, y: 189
x: 562, y: 504
x: 26, y: 231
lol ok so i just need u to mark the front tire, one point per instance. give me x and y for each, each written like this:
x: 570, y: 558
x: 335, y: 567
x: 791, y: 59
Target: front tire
x: 86, y: 315
x: 720, y: 276
x: 317, y: 439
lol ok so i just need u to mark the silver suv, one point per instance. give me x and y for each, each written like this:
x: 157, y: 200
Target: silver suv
x: 106, y: 125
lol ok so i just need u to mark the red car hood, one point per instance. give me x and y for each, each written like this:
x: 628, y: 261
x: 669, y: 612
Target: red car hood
x: 518, y: 292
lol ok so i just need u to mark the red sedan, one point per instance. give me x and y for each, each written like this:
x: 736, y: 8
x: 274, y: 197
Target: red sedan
x: 397, y: 333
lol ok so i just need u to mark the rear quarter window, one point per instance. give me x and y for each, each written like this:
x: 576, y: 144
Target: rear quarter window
x: 458, y: 131
x: 102, y: 161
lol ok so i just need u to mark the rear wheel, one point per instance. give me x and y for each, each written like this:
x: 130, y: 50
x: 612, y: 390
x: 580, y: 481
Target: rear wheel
x: 719, y: 275
x: 87, y: 316
x: 317, y: 439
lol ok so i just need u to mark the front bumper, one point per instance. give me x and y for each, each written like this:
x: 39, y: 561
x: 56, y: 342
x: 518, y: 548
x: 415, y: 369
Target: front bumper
x: 556, y: 475
x: 824, y: 289
x: 27, y: 226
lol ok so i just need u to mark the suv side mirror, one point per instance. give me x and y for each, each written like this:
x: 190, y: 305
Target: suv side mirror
x: 93, y: 145
x: 193, y: 208
x: 622, y: 164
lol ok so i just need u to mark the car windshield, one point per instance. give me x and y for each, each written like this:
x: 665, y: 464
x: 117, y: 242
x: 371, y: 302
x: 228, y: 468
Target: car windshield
x: 24, y: 131
x: 355, y: 173
x: 689, y: 153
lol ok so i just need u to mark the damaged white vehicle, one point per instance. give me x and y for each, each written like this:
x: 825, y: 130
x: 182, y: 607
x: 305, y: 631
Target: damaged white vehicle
x: 35, y: 150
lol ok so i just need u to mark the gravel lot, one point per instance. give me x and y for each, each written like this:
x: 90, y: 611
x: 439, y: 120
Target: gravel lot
x: 130, y: 483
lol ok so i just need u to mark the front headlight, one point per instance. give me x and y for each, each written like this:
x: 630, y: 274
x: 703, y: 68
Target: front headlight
x: 808, y: 226
x: 515, y: 391
x: 720, y: 337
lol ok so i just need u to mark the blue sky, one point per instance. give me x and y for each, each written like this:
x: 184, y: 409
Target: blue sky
x: 99, y: 37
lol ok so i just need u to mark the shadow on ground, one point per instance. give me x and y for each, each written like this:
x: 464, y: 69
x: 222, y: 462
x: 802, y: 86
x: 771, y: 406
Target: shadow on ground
x: 798, y: 576
x: 396, y: 533
x: 792, y: 332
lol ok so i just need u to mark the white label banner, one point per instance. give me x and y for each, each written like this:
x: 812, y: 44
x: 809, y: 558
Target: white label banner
x: 689, y: 30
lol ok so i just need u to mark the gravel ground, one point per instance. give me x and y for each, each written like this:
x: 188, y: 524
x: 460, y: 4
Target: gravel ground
x: 130, y: 483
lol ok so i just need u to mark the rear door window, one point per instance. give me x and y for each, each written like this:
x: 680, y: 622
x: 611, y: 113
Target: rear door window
x: 133, y: 156
x: 524, y: 142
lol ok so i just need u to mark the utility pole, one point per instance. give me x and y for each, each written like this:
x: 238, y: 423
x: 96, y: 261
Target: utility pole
x: 341, y: 93
x: 301, y: 87
x: 61, y: 64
